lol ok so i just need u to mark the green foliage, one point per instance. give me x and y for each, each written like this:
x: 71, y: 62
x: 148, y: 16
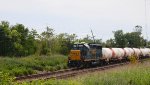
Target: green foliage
x: 133, y: 59
x: 135, y: 40
x: 130, y: 39
x: 120, y: 39
x: 16, y: 40
x: 89, y: 39
x: 32, y: 64
x: 148, y: 44
x: 46, y: 40
x: 110, y: 43
x: 65, y: 42
x: 5, y: 38
x: 5, y: 79
x: 50, y: 82
x: 51, y: 44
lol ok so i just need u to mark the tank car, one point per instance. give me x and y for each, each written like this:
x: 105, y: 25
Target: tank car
x: 107, y: 54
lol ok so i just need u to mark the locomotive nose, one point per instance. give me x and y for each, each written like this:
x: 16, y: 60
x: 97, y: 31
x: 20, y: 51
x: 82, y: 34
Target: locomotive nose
x: 75, y: 55
x: 74, y: 58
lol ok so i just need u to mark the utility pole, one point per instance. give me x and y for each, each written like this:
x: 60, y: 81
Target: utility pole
x: 93, y: 36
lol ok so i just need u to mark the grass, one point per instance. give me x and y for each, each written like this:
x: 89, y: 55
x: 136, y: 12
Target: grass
x: 134, y: 74
x: 32, y: 64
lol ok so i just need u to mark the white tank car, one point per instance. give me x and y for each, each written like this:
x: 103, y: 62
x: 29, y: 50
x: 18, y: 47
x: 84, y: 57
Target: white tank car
x: 127, y: 52
x: 119, y: 52
x: 107, y: 53
x: 131, y: 51
x: 148, y: 51
x: 145, y: 51
x: 122, y: 52
x: 137, y: 52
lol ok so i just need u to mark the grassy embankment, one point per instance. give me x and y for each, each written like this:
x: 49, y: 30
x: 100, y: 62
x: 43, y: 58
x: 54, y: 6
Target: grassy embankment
x: 134, y: 74
x: 32, y: 64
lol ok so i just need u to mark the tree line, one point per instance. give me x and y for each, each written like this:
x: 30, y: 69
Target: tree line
x: 18, y: 40
x: 129, y: 39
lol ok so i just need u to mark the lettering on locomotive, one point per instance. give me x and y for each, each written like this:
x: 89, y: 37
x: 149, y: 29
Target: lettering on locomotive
x: 75, y: 55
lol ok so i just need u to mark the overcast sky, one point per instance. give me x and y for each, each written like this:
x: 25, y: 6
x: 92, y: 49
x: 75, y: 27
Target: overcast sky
x: 78, y: 16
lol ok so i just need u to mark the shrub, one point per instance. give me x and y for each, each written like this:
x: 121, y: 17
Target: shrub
x: 5, y: 79
x: 32, y: 64
x: 133, y: 58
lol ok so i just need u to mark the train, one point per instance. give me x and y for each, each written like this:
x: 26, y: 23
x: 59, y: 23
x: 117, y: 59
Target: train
x: 84, y: 54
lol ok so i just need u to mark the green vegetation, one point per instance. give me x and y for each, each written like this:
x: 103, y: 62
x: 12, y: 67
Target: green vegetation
x: 129, y: 39
x: 5, y: 79
x: 134, y: 74
x: 17, y: 40
x: 32, y: 64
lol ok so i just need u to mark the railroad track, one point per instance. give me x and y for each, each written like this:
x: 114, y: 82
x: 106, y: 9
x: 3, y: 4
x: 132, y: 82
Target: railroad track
x: 66, y: 73
x: 42, y: 75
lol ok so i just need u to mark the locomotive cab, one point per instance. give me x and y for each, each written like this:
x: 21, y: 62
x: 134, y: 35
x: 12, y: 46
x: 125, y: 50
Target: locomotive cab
x: 76, y: 55
x: 84, y: 53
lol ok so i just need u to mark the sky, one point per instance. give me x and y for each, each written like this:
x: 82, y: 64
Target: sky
x: 78, y: 16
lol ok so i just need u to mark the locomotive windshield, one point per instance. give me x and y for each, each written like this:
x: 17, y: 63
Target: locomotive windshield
x: 82, y: 47
x: 79, y: 47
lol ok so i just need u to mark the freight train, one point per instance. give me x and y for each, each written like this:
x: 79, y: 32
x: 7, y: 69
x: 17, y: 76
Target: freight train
x: 83, y: 54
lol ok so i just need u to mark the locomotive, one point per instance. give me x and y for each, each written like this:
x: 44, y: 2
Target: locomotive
x: 84, y: 54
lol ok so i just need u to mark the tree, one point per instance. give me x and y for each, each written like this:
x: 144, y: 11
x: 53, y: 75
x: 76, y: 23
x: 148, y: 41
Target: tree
x: 110, y: 43
x: 138, y: 29
x: 134, y: 38
x: 46, y: 39
x: 5, y: 39
x: 120, y: 39
x: 148, y: 42
x: 65, y: 42
x: 87, y: 39
x: 16, y: 40
x: 23, y: 40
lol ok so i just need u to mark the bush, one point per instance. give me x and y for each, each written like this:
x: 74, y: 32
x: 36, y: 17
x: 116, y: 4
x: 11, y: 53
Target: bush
x: 133, y: 59
x: 32, y: 64
x: 5, y: 79
x: 49, y: 68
